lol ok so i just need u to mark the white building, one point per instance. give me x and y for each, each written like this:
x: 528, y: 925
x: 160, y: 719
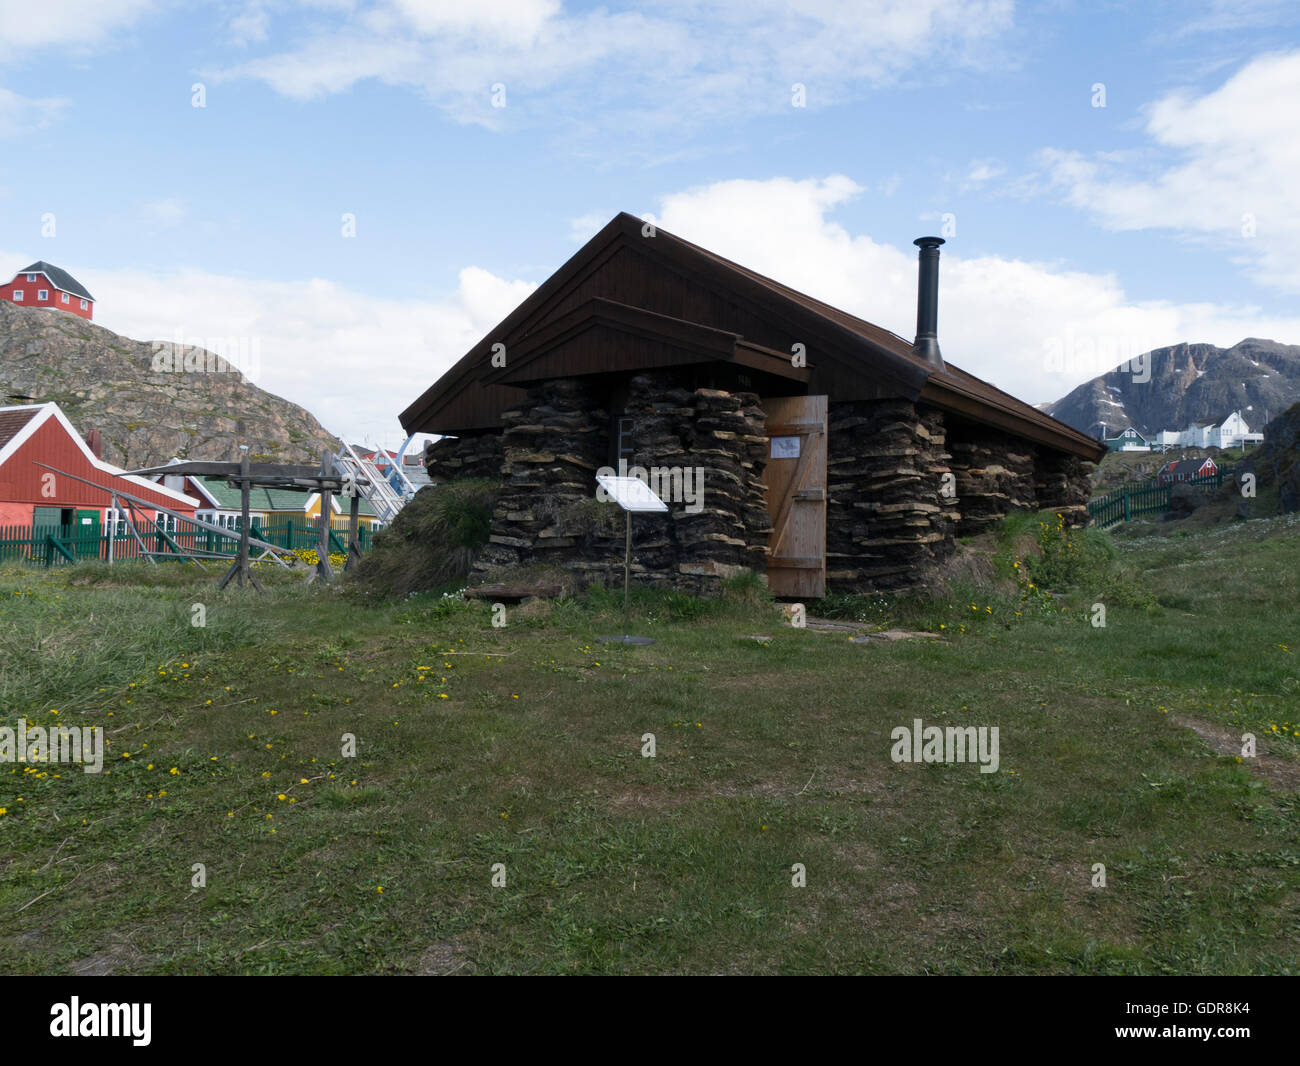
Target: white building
x: 1226, y: 433
x: 1233, y: 430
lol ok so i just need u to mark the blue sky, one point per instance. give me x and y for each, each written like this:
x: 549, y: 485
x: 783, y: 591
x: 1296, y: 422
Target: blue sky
x: 1167, y: 215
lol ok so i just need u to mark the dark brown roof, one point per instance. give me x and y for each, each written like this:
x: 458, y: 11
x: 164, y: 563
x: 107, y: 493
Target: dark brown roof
x: 699, y: 301
x: 13, y: 420
x: 59, y: 278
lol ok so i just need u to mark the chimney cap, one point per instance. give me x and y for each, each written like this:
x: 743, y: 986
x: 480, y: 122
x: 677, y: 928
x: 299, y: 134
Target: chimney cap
x: 928, y: 242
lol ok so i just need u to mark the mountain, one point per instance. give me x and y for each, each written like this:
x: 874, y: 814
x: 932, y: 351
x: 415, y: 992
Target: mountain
x: 145, y: 413
x: 1188, y: 383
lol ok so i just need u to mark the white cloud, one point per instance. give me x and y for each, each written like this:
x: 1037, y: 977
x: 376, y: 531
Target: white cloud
x: 26, y: 26
x: 1227, y: 15
x: 19, y: 114
x: 1224, y: 170
x: 669, y: 63
x: 982, y: 171
x: 518, y: 22
x: 352, y: 359
x: 1000, y: 319
x: 165, y: 212
x: 584, y: 227
x: 251, y: 24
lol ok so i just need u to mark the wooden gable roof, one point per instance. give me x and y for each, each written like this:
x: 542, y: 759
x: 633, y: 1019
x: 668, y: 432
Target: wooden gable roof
x: 662, y: 301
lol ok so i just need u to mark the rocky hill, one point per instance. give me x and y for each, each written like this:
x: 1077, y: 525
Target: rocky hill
x: 200, y: 408
x: 1188, y: 382
x: 1278, y: 461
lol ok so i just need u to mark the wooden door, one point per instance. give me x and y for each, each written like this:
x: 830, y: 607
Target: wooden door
x: 795, y: 477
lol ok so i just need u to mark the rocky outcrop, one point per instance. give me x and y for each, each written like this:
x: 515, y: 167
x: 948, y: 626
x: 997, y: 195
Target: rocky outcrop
x: 1277, y: 462
x: 1187, y: 383
x: 147, y: 404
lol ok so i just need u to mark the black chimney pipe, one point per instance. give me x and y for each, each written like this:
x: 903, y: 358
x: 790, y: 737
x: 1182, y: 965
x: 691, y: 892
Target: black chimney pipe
x: 926, y: 344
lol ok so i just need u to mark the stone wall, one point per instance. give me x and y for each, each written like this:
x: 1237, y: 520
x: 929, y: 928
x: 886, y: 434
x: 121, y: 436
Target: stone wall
x: 552, y: 445
x: 887, y: 522
x: 995, y: 477
x: 1063, y: 483
x: 457, y: 458
x: 709, y: 445
x: 720, y: 437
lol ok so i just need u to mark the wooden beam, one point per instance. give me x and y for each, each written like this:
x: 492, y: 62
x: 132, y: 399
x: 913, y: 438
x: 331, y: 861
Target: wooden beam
x: 323, y: 570
x: 354, y: 546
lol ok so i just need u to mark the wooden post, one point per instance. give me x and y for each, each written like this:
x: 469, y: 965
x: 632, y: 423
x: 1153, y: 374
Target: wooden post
x: 326, y: 513
x: 354, y: 547
x: 112, y: 532
x: 244, y: 489
x: 240, y: 569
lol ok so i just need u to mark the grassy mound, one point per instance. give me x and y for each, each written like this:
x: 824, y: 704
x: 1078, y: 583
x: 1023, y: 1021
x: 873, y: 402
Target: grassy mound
x: 432, y: 543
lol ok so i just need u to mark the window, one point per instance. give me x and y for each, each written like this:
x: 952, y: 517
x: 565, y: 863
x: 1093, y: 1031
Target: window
x: 115, y: 522
x: 624, y: 447
x: 31, y: 277
x: 18, y: 296
x: 65, y: 297
x: 42, y: 294
x: 84, y: 304
x: 165, y: 522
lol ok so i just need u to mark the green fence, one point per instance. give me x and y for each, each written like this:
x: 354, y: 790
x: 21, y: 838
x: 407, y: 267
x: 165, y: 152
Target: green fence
x: 62, y: 545
x: 1132, y: 501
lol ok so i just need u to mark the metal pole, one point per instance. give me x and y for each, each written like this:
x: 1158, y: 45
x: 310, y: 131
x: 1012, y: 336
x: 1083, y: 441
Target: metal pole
x: 112, y: 531
x: 627, y: 577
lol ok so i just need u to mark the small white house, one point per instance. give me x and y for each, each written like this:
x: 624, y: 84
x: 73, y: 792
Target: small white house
x: 1234, y: 430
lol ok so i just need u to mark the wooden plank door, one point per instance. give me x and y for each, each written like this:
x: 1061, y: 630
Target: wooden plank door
x: 795, y: 477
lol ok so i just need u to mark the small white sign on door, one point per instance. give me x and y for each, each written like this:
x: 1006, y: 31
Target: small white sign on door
x: 785, y: 447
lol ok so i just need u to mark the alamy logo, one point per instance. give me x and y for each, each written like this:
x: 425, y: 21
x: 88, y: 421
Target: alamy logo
x: 102, y: 1019
x: 60, y: 744
x: 932, y: 743
x: 672, y: 484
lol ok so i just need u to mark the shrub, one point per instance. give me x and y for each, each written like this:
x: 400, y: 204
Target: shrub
x: 432, y: 541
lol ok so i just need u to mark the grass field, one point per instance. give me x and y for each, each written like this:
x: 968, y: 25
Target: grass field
x: 522, y: 746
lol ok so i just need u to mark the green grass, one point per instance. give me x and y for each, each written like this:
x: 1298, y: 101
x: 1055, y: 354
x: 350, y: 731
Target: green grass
x: 768, y: 754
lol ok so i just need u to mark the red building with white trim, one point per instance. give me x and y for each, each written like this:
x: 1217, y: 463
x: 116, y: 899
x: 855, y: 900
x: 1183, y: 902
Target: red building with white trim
x: 32, y: 495
x: 44, y: 285
x: 1187, y: 470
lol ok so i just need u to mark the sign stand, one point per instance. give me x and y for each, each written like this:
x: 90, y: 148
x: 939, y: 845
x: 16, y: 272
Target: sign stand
x: 631, y: 494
